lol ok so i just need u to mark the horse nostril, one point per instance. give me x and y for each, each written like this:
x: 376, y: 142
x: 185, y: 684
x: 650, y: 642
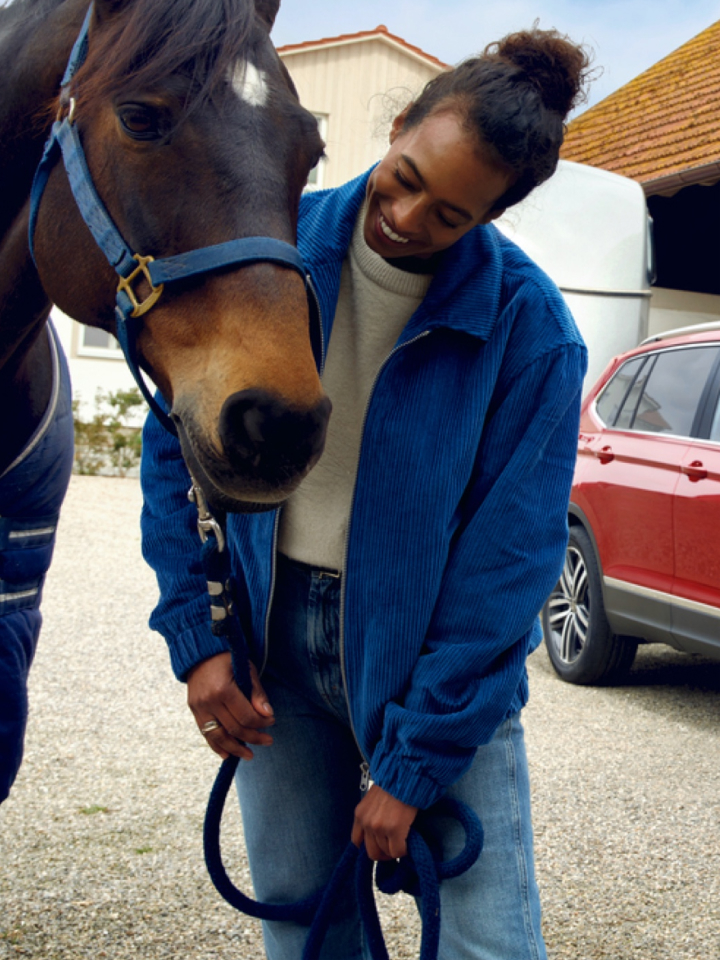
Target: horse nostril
x: 253, y: 427
x: 260, y: 432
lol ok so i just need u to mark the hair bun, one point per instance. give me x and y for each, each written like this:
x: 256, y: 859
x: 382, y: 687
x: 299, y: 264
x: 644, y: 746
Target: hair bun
x: 555, y: 66
x: 513, y: 99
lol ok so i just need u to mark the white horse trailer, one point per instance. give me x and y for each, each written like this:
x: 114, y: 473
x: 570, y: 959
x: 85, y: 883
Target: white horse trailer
x: 589, y: 230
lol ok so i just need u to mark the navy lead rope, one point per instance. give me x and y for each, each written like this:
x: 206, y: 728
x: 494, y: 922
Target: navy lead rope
x: 419, y: 873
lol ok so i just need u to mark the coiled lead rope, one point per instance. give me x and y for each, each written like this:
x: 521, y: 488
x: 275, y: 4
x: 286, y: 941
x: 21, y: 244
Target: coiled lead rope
x: 419, y: 873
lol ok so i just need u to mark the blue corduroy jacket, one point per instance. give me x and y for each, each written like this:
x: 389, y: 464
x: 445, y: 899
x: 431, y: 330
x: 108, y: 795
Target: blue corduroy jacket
x: 459, y: 520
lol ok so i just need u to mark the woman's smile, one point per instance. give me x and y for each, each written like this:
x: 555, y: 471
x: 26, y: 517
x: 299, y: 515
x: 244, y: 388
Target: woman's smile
x: 389, y: 232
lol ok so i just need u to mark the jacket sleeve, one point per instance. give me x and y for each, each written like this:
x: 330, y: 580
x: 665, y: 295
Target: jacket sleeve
x: 505, y: 558
x: 171, y: 546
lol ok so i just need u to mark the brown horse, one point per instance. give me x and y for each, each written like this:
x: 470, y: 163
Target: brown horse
x: 193, y: 137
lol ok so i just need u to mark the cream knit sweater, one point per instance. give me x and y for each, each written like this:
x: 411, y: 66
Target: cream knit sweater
x: 375, y: 302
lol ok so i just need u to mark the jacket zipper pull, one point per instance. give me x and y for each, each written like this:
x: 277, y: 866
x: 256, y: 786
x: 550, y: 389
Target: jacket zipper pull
x: 364, y: 776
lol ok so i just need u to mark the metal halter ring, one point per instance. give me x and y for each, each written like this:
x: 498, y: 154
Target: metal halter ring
x: 209, y: 726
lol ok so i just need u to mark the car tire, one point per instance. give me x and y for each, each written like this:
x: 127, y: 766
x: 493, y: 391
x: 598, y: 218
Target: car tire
x: 580, y: 642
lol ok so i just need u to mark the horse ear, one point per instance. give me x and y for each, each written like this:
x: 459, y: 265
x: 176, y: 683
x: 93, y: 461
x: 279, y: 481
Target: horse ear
x: 267, y: 11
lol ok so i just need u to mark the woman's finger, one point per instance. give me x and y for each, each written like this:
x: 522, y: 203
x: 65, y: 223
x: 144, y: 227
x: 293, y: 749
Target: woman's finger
x: 259, y: 698
x: 377, y: 846
x: 218, y: 739
x: 246, y: 728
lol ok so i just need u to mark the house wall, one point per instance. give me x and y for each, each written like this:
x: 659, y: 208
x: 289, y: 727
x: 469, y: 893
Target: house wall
x: 358, y: 87
x: 670, y: 309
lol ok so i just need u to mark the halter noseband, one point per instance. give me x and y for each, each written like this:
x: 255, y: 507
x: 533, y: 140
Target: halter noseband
x: 64, y: 140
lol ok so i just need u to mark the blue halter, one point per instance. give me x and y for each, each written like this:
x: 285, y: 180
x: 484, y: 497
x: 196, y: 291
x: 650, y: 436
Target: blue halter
x: 64, y: 140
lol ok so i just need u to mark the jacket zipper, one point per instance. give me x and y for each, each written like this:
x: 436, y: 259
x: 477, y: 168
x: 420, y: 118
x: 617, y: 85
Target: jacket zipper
x: 364, y: 766
x: 273, y: 576
x: 316, y: 301
x: 276, y: 526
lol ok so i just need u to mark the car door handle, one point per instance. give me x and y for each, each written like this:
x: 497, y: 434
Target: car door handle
x: 605, y: 455
x: 695, y: 470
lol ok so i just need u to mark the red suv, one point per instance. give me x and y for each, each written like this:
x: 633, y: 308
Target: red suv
x: 643, y: 558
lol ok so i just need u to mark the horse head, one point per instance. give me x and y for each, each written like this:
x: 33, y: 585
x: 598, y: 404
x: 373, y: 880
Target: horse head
x: 194, y: 136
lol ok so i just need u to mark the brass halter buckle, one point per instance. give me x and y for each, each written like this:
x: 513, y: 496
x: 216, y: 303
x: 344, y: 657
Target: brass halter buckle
x: 125, y: 284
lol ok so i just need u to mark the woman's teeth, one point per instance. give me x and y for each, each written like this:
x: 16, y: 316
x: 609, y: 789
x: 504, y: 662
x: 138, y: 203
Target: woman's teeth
x: 396, y: 238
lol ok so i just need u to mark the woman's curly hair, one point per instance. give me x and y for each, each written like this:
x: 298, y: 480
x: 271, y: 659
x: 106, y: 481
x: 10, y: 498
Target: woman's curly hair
x: 514, y: 98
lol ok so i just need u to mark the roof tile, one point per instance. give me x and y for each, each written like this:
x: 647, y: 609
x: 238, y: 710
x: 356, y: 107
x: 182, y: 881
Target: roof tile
x: 664, y: 121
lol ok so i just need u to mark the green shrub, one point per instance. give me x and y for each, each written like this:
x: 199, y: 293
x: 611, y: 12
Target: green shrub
x: 109, y: 443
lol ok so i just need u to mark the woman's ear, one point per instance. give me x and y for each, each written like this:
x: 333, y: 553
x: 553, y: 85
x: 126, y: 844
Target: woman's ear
x: 493, y: 215
x: 398, y: 123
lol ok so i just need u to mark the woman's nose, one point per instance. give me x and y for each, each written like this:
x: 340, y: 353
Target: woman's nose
x: 408, y: 213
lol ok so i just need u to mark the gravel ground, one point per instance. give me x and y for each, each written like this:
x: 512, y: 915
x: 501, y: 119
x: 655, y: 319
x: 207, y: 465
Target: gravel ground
x: 100, y: 841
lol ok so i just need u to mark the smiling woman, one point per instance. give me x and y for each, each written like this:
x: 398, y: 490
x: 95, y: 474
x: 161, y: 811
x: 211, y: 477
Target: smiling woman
x: 391, y: 604
x: 431, y: 188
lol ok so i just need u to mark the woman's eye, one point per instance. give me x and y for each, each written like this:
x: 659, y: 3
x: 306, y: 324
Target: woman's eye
x: 402, y: 180
x: 141, y: 123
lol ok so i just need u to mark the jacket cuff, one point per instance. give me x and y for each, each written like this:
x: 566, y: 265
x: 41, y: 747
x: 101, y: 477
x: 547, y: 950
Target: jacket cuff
x: 405, y: 778
x: 190, y: 647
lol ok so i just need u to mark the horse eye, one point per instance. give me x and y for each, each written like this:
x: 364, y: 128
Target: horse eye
x: 139, y: 122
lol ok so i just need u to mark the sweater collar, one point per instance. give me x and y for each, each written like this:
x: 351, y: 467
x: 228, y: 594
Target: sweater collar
x: 379, y: 271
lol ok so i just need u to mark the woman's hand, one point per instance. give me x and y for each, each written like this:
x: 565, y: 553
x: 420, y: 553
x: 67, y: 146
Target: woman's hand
x: 213, y: 695
x: 383, y: 823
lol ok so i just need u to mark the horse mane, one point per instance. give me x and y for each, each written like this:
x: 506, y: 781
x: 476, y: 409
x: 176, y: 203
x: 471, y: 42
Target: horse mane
x: 148, y: 40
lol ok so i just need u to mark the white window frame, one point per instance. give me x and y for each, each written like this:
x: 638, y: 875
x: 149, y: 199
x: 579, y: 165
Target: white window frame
x: 98, y: 353
x: 319, y: 169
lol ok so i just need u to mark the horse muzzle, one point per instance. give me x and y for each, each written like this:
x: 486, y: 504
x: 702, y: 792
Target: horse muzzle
x: 265, y: 449
x: 261, y: 434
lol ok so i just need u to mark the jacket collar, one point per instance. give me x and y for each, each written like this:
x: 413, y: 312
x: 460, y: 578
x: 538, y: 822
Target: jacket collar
x: 464, y: 293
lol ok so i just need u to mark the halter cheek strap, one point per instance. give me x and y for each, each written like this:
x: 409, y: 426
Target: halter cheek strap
x: 64, y: 141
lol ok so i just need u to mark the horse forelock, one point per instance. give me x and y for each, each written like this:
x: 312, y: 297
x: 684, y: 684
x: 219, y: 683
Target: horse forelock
x: 149, y: 40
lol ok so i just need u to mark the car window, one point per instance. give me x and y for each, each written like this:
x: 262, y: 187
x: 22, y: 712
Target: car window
x: 634, y: 396
x: 611, y: 402
x: 672, y: 391
x: 715, y: 428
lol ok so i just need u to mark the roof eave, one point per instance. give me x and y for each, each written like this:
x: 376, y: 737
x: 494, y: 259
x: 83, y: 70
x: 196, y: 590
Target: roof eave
x: 705, y: 175
x: 414, y: 53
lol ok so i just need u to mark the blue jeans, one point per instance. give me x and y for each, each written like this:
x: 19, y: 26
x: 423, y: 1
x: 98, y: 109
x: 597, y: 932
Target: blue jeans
x: 298, y: 797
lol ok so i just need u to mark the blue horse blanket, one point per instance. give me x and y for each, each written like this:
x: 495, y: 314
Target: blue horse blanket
x: 32, y: 490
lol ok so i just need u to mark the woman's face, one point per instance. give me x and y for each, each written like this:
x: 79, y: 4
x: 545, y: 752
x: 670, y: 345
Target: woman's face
x: 431, y: 188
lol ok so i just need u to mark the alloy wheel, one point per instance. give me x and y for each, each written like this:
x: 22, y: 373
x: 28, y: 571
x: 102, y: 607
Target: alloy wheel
x: 568, y: 608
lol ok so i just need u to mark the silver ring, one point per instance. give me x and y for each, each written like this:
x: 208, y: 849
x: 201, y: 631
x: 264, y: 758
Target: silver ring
x: 209, y: 726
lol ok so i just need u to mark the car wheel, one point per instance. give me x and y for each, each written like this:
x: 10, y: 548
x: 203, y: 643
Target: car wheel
x: 579, y: 640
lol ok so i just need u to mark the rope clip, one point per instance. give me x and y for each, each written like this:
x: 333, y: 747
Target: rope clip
x: 207, y: 524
